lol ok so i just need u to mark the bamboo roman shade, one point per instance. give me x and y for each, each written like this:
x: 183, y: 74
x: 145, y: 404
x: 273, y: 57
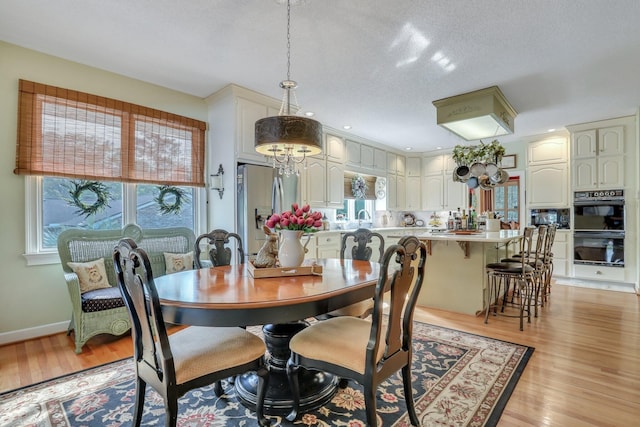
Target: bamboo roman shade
x: 63, y: 132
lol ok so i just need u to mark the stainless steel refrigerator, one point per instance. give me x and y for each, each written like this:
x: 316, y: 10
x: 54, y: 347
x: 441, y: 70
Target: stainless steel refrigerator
x: 261, y: 192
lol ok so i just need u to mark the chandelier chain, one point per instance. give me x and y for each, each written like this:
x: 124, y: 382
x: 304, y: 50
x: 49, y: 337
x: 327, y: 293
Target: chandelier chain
x: 288, y: 39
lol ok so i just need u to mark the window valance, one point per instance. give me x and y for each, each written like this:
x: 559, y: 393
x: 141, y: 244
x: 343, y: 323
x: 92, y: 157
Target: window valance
x: 62, y: 132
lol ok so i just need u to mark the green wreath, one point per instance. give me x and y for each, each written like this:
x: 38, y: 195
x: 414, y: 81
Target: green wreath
x: 358, y: 187
x: 170, y: 208
x: 77, y: 190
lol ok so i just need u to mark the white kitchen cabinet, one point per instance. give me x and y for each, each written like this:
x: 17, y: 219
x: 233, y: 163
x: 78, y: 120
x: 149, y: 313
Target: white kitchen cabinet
x: 401, y: 191
x: 316, y: 183
x: 353, y: 153
x: 392, y: 195
x: 414, y: 201
x: 328, y: 245
x: 366, y: 156
x: 455, y: 193
x: 379, y: 159
x: 392, y: 163
x: 598, y: 159
x: 607, y: 141
x: 335, y: 185
x: 324, y: 184
x: 561, y: 253
x: 396, y: 192
x: 550, y: 150
x: 441, y: 193
x: 547, y: 185
x: 598, y: 173
x: 335, y: 148
x: 414, y: 166
x: 247, y: 113
x: 432, y: 165
x: 401, y: 168
x: 433, y: 192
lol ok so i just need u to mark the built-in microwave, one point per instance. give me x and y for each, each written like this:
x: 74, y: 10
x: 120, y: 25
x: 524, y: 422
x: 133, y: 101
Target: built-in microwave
x: 561, y: 217
x: 599, y: 211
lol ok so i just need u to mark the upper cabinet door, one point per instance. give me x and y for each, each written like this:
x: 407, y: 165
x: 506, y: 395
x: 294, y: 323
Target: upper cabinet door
x: 248, y: 113
x: 334, y: 148
x: 392, y: 163
x: 379, y: 159
x: 611, y: 141
x: 366, y: 156
x: 432, y: 165
x: 552, y: 150
x: 353, y: 153
x: 584, y: 144
x: 414, y: 166
x: 401, y: 165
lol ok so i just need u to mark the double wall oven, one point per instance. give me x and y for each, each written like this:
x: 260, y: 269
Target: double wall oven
x: 599, y: 223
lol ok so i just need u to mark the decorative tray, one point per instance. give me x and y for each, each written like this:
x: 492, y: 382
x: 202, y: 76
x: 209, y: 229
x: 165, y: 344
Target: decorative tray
x: 308, y: 268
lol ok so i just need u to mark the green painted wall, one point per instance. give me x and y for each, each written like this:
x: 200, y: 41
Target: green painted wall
x: 35, y: 296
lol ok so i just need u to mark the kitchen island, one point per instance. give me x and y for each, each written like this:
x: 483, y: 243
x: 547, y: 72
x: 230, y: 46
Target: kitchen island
x: 455, y: 277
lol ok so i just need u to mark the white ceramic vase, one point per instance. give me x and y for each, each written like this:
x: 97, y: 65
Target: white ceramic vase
x: 291, y: 251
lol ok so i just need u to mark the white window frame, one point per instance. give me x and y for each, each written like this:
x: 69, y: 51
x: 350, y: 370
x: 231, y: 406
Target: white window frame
x: 35, y: 254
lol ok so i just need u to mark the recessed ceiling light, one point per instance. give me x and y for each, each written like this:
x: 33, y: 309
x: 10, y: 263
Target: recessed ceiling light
x: 551, y: 130
x: 347, y: 127
x: 438, y: 148
x: 309, y: 114
x: 408, y: 148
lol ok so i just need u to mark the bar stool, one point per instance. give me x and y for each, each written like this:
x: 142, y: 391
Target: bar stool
x: 501, y: 274
x: 535, y: 260
x: 548, y: 263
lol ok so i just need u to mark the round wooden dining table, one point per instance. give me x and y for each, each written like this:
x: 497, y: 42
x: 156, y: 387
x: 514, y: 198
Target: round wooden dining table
x: 231, y: 296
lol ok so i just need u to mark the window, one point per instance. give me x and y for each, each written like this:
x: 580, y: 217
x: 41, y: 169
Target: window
x: 352, y: 207
x: 67, y: 139
x: 507, y: 200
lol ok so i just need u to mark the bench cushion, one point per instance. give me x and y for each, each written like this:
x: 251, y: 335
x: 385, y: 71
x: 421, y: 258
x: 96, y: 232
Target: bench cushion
x: 102, y: 299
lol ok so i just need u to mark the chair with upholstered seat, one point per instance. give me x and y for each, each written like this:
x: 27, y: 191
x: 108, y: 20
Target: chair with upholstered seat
x: 368, y: 350
x: 361, y: 239
x: 219, y: 253
x: 190, y: 358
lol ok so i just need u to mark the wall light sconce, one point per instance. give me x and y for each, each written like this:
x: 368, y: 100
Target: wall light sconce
x: 216, y: 181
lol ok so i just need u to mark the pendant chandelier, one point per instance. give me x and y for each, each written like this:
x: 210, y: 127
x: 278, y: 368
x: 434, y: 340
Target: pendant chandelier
x: 288, y: 139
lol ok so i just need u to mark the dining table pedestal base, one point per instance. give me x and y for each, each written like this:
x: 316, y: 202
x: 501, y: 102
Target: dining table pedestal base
x: 316, y: 387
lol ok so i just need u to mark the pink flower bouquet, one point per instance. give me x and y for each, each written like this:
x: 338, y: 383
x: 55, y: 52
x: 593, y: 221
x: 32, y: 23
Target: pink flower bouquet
x: 298, y: 218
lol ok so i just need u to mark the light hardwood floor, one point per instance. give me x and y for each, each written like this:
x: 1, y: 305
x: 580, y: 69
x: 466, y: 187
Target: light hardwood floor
x: 585, y: 370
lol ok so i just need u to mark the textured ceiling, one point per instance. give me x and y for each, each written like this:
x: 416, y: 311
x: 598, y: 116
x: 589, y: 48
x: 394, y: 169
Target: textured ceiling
x: 375, y: 65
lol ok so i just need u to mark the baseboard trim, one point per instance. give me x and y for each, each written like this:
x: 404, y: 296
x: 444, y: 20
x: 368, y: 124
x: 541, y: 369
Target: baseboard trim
x: 30, y: 333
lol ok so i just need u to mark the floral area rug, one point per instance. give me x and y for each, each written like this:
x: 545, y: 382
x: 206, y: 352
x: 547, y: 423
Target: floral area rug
x: 459, y: 379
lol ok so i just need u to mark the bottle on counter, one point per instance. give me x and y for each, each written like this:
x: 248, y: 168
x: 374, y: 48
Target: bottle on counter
x: 451, y: 223
x: 465, y: 220
x: 474, y: 220
x: 458, y: 220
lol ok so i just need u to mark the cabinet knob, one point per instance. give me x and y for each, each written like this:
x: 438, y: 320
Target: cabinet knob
x: 598, y: 272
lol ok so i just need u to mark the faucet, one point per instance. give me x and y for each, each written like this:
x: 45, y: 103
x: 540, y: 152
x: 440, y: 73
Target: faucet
x: 367, y: 214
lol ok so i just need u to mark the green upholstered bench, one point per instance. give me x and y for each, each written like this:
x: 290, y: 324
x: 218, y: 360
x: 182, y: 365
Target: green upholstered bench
x: 102, y: 310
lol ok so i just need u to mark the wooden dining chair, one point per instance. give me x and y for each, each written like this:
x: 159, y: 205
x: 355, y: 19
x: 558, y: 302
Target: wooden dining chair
x: 368, y: 350
x: 190, y: 358
x: 361, y: 251
x: 219, y: 253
